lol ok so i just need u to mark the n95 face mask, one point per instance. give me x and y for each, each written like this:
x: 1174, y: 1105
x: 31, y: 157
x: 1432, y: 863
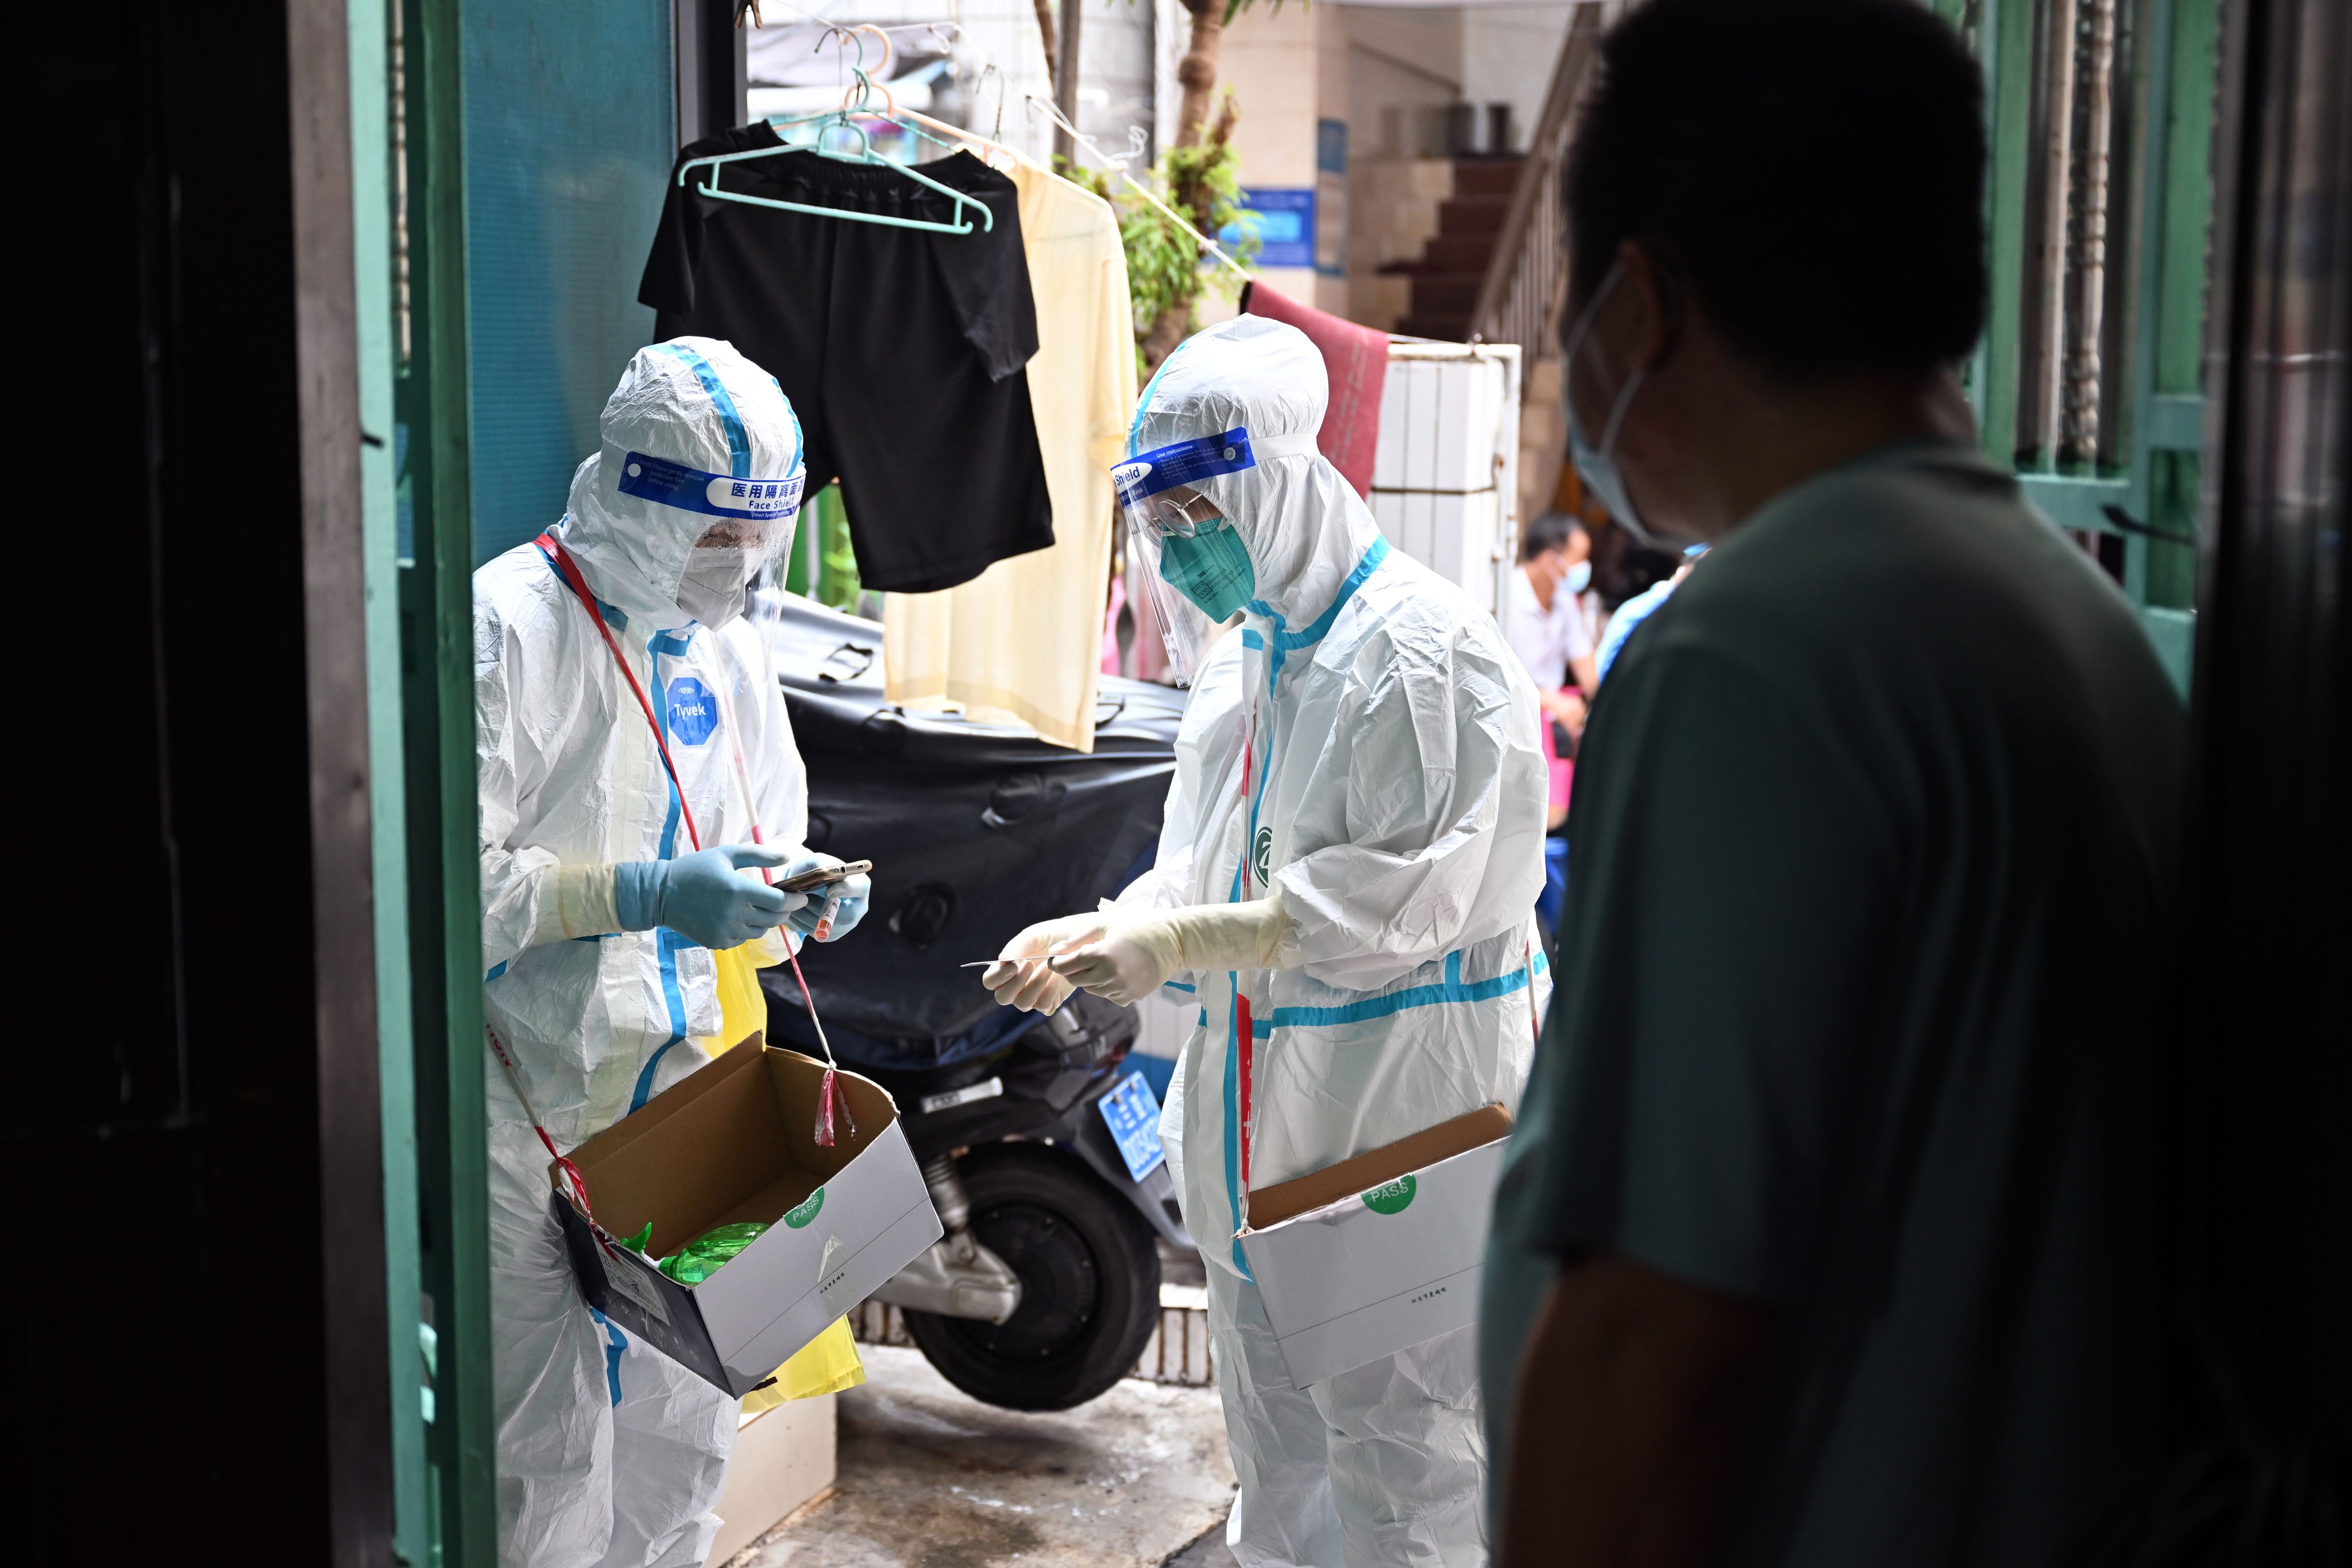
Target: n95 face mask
x: 713, y: 589
x: 1211, y: 567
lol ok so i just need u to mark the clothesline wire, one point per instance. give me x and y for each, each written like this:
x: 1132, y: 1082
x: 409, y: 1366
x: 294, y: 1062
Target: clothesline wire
x: 1119, y: 166
x: 1035, y: 105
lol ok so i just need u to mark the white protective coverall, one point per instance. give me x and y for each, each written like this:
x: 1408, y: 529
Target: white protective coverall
x: 608, y: 1452
x: 1395, y: 797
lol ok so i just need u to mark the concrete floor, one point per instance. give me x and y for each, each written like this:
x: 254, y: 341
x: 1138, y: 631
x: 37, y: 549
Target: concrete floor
x: 1208, y: 1552
x: 931, y: 1477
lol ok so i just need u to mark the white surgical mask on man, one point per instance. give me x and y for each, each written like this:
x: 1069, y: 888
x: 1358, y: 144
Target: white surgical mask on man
x: 1597, y: 465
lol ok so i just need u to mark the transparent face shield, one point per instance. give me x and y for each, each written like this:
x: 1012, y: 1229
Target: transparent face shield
x: 1181, y: 545
x: 750, y: 525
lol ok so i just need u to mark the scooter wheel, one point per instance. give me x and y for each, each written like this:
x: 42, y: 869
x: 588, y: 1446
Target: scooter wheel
x: 1089, y: 1283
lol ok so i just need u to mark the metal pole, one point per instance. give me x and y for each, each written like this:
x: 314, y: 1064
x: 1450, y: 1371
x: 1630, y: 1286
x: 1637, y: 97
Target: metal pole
x: 2058, y: 192
x: 1066, y: 77
x: 2085, y: 372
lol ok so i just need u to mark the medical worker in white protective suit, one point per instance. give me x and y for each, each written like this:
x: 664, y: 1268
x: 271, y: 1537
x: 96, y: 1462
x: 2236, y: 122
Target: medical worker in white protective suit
x: 1344, y: 889
x: 600, y: 915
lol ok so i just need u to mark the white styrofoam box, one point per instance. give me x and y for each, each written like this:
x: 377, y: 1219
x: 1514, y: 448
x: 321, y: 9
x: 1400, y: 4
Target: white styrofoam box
x: 784, y: 1456
x: 1445, y: 473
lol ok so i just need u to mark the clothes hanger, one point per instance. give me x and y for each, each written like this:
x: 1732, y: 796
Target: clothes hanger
x: 987, y: 149
x: 904, y: 118
x: 856, y: 103
x: 1036, y: 105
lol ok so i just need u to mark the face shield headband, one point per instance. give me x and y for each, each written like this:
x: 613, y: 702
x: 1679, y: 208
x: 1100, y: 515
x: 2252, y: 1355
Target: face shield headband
x: 754, y: 515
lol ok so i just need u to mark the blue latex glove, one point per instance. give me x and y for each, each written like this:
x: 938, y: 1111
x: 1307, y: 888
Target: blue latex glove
x: 703, y: 896
x: 852, y: 892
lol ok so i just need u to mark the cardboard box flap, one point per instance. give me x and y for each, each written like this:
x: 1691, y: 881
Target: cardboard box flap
x: 739, y: 1058
x: 741, y: 1146
x: 1269, y: 1206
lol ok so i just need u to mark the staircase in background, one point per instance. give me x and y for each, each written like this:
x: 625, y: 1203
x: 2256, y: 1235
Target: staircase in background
x: 1519, y: 299
x: 1453, y: 263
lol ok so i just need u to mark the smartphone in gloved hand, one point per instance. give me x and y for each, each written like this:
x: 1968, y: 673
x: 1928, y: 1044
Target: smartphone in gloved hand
x: 825, y: 876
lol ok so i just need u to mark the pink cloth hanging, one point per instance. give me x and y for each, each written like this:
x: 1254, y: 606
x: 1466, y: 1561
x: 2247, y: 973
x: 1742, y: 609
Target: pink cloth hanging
x: 1110, y: 625
x: 1357, y: 360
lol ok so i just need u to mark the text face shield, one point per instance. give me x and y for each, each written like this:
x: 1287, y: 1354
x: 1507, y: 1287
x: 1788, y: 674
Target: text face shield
x: 1179, y: 543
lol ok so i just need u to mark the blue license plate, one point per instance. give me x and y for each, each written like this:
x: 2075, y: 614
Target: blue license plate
x: 1131, y: 1111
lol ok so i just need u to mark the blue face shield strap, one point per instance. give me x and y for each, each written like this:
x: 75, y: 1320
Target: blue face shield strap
x: 1143, y: 403
x: 739, y: 440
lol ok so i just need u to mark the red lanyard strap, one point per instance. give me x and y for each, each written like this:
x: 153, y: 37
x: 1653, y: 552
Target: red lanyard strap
x: 568, y: 570
x: 530, y: 1115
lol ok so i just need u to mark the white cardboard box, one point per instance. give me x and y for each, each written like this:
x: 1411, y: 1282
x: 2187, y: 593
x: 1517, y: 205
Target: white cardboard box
x: 737, y: 1142
x: 1385, y: 1266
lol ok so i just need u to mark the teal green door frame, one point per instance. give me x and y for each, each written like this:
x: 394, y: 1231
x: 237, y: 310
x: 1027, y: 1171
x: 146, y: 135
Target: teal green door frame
x: 533, y: 150
x: 373, y: 227
x: 2166, y: 178
x: 435, y: 615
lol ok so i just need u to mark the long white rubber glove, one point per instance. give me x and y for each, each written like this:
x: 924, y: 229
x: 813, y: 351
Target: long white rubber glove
x: 1124, y: 955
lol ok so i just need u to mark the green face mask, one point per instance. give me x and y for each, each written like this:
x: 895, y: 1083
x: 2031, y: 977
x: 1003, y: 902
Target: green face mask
x: 1210, y: 568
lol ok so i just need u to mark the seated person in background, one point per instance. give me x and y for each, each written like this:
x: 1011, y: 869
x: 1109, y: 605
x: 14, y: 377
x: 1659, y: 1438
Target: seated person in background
x: 1553, y: 639
x: 1546, y: 616
x: 1831, y: 1233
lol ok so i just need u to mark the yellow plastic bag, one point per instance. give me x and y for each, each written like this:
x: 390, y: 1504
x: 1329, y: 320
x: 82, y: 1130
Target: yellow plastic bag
x: 826, y: 1364
x: 829, y: 1362
x: 742, y: 1005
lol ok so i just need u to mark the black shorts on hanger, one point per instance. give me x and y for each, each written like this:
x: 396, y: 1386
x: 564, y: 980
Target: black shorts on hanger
x: 901, y: 349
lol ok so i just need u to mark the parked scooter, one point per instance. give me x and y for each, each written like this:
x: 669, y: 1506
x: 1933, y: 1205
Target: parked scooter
x: 1042, y: 1153
x: 1038, y: 1140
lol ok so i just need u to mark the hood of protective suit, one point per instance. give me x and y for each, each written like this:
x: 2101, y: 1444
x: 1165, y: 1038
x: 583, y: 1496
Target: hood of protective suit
x: 1304, y: 526
x: 694, y: 402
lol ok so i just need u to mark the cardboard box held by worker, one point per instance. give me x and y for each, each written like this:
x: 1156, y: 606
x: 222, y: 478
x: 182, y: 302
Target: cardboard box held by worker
x: 1378, y: 1252
x: 737, y: 1142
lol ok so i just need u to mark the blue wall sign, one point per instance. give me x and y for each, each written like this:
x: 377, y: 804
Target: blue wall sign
x: 1285, y: 223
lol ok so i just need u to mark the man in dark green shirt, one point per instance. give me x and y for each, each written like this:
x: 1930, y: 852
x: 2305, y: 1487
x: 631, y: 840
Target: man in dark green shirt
x: 1829, y: 1232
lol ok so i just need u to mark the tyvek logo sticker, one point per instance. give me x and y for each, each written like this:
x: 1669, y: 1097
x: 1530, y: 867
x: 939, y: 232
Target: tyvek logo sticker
x: 693, y: 714
x: 798, y: 1219
x: 1262, y: 856
x: 1391, y: 1197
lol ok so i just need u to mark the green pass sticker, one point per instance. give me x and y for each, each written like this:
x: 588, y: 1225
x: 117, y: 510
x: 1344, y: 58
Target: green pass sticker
x: 1389, y: 1197
x: 799, y: 1217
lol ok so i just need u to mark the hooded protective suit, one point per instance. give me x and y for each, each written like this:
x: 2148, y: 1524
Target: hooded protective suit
x: 608, y: 1452
x: 1374, y: 743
